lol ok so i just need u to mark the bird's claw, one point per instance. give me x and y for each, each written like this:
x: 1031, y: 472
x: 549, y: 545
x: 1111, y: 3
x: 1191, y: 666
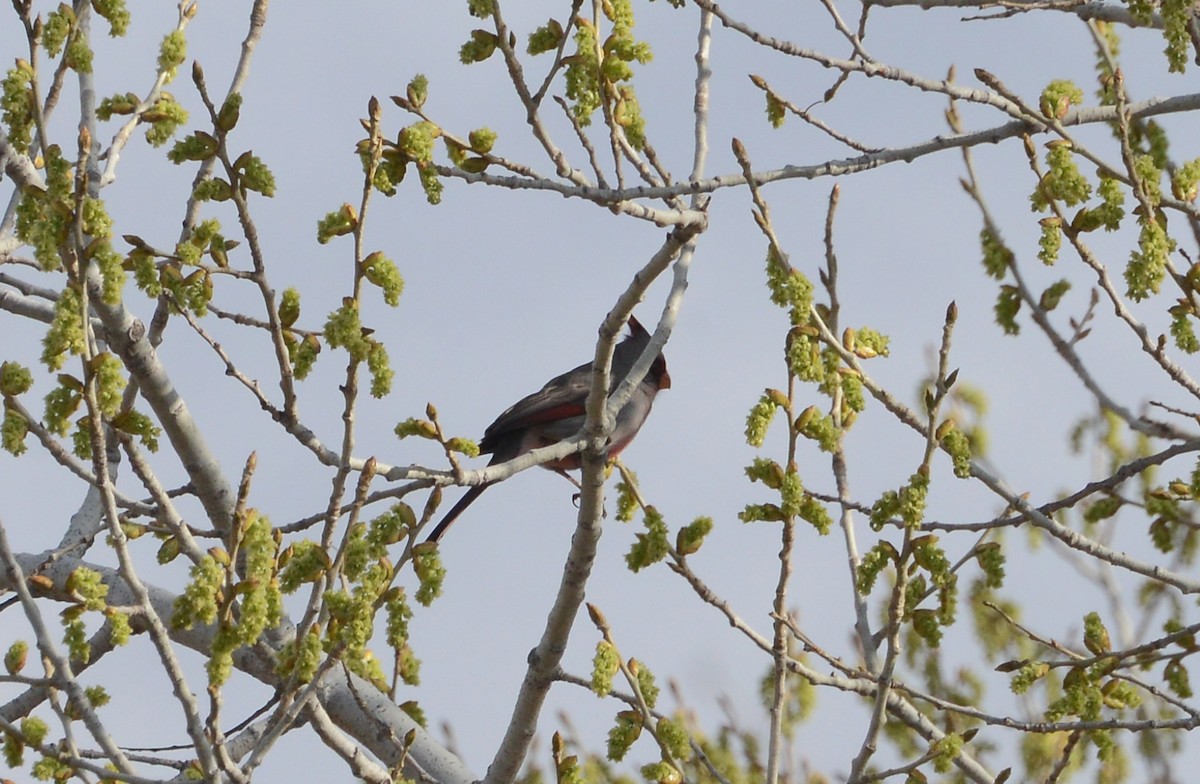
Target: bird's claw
x: 575, y: 500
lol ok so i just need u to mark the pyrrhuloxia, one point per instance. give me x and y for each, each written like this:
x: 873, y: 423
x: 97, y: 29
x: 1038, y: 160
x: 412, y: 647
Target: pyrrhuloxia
x: 556, y: 411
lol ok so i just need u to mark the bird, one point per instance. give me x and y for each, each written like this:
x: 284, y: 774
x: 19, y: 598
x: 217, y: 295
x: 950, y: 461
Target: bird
x: 556, y: 412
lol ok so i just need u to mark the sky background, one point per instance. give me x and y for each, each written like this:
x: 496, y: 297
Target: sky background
x: 506, y: 289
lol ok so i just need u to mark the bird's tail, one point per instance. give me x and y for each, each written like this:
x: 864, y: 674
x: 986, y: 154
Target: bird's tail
x: 440, y: 529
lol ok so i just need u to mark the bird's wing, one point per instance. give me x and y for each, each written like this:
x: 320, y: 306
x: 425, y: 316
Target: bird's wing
x: 561, y: 398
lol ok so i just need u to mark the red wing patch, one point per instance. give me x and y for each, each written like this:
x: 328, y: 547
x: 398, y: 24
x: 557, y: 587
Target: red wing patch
x: 553, y: 414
